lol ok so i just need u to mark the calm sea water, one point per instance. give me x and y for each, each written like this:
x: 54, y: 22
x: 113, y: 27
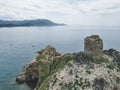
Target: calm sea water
x: 19, y: 45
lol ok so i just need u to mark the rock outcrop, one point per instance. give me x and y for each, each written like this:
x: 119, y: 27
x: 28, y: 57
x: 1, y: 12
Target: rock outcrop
x: 93, y: 45
x: 76, y: 71
x: 46, y: 63
x: 115, y: 54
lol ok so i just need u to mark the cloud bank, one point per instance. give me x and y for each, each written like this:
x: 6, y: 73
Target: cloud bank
x: 83, y: 12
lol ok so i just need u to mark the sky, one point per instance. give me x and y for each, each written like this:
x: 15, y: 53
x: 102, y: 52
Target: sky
x: 82, y: 12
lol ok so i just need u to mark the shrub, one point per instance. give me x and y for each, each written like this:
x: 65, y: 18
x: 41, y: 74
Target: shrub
x: 88, y: 72
x: 110, y: 67
x: 103, y: 60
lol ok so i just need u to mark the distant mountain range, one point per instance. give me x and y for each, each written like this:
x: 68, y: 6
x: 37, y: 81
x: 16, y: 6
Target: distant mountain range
x: 36, y: 22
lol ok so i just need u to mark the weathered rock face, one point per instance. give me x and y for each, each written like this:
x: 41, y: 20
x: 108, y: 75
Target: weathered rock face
x: 93, y: 45
x: 47, y: 54
x: 21, y: 78
x: 45, y: 64
x: 75, y: 76
x: 115, y: 54
x: 36, y: 70
x: 74, y: 71
x: 82, y: 58
x: 100, y: 84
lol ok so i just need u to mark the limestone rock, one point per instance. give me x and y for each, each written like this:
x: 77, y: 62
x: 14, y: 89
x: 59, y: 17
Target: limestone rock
x: 100, y: 84
x: 47, y: 54
x: 93, y: 45
x: 20, y: 79
x: 82, y: 58
x: 74, y: 71
x: 75, y: 76
x: 115, y: 54
x: 38, y: 68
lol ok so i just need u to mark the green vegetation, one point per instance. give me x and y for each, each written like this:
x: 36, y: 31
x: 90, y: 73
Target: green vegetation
x: 118, y: 67
x: 55, y: 80
x: 83, y: 58
x: 44, y: 85
x: 59, y: 63
x: 94, y: 36
x: 110, y: 66
x: 41, y: 56
x: 103, y: 60
x: 88, y: 72
x: 71, y: 72
x: 67, y: 86
x: 86, y: 84
x: 76, y: 76
x: 115, y: 88
x: 52, y: 67
x: 117, y: 80
x: 99, y: 83
x: 45, y: 70
x: 75, y: 85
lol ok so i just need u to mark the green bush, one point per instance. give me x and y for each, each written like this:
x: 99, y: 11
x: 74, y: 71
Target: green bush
x: 88, y: 72
x: 103, y: 60
x: 117, y: 80
x: 110, y: 67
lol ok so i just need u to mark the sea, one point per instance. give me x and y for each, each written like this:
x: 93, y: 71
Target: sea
x: 19, y: 45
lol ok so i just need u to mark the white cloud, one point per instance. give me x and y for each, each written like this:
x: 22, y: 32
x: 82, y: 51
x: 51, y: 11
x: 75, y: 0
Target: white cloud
x: 68, y: 11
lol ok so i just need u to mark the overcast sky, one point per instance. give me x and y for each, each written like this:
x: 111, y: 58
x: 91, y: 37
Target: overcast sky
x: 83, y: 12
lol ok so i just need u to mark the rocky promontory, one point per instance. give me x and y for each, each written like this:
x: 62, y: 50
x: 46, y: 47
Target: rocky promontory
x: 91, y: 69
x: 28, y: 23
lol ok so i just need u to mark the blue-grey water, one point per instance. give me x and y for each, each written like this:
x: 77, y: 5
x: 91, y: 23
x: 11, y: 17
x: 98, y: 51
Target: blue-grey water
x: 19, y: 45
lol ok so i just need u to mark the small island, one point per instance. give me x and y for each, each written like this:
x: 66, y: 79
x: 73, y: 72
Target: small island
x: 28, y: 23
x: 90, y: 69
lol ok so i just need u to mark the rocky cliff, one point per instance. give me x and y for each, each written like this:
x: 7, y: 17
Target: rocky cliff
x: 91, y: 69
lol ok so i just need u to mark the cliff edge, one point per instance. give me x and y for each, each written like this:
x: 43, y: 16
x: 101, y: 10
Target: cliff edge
x: 91, y: 69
